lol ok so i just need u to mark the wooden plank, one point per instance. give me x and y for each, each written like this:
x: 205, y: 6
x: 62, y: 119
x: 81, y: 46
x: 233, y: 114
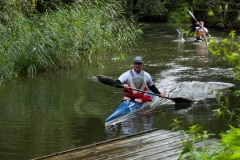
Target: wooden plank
x: 152, y: 144
x: 119, y: 147
x: 91, y: 146
x: 196, y: 145
x: 173, y: 154
x: 132, y: 147
x: 170, y: 152
x: 163, y: 146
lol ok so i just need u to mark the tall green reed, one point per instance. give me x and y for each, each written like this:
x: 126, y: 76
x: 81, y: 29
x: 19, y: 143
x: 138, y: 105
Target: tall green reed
x: 81, y: 32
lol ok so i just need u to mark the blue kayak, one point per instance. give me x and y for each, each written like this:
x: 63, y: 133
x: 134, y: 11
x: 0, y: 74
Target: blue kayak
x: 123, y: 110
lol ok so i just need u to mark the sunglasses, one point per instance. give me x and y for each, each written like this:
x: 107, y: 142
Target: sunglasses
x: 138, y: 63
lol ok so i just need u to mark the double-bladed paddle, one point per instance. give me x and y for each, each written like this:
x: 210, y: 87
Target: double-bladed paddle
x: 193, y: 16
x: 108, y: 81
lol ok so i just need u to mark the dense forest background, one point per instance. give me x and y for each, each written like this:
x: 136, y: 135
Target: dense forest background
x: 219, y: 14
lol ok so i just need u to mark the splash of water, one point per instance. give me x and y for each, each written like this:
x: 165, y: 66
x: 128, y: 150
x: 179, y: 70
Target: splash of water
x: 180, y: 34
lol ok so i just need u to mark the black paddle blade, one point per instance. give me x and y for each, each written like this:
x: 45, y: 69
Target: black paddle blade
x: 108, y: 81
x: 180, y: 100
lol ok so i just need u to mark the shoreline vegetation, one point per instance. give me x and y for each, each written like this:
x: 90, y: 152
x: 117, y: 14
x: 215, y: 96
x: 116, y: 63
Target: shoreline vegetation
x: 63, y: 38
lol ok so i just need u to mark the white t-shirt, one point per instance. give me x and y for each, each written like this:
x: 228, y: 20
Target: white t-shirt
x: 126, y: 77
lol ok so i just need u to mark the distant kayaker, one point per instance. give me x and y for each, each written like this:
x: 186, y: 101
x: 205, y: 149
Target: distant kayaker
x: 201, y: 31
x: 138, y: 79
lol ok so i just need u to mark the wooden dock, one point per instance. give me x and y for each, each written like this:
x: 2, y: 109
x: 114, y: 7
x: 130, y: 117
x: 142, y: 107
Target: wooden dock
x: 151, y: 145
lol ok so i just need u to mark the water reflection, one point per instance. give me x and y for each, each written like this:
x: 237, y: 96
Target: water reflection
x: 181, y: 106
x: 141, y: 122
x: 201, y: 49
x: 201, y: 55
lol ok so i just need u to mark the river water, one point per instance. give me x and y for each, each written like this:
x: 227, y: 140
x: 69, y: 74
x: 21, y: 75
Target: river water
x: 53, y: 112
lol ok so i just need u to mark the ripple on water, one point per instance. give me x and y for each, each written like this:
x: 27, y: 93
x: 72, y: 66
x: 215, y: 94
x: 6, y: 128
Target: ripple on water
x: 194, y: 90
x: 169, y: 82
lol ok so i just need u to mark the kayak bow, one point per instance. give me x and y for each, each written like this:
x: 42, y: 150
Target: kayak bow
x: 125, y: 110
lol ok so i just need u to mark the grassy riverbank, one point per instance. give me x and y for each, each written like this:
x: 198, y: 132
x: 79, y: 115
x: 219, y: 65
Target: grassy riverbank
x: 62, y: 38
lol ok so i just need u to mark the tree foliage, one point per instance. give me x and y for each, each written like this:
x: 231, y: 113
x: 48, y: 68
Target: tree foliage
x: 216, y: 13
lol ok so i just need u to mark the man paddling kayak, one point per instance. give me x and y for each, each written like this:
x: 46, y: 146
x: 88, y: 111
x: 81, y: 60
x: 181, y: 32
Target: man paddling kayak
x: 138, y: 79
x: 201, y: 31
